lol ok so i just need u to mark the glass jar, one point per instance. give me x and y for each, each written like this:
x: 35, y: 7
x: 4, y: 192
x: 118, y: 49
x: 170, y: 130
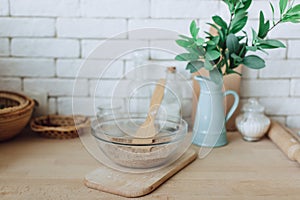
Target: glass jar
x: 252, y: 123
x: 173, y: 94
x: 138, y: 92
x: 107, y: 110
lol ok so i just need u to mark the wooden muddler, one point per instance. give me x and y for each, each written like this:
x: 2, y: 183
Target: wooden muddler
x: 285, y: 141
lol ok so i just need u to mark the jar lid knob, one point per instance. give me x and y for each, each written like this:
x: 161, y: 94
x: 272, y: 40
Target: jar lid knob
x: 171, y: 69
x: 253, y: 106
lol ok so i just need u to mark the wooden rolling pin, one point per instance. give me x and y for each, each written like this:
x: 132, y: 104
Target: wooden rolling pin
x: 285, y: 141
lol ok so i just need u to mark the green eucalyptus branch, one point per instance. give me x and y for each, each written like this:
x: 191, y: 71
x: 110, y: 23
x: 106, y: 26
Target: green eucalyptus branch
x: 227, y: 50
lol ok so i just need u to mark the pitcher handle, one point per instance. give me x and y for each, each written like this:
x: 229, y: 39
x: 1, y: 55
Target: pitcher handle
x: 235, y: 104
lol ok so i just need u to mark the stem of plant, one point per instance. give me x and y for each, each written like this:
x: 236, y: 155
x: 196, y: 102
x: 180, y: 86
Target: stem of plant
x: 275, y: 25
x: 230, y: 21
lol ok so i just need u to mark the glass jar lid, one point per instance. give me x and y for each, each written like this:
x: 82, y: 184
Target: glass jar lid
x: 109, y: 107
x: 253, y: 106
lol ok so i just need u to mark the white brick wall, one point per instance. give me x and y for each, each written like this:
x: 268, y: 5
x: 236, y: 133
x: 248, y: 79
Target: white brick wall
x: 57, y: 87
x: 4, y: 47
x: 83, y: 105
x: 4, y: 8
x: 183, y: 9
x: 49, y: 8
x: 91, y: 69
x: 43, y: 44
x: 90, y: 28
x: 115, y: 8
x: 112, y: 49
x: 52, y: 106
x: 46, y: 47
x: 109, y: 88
x: 10, y: 84
x: 27, y: 67
x: 293, y: 48
x: 166, y: 49
x: 281, y: 69
x: 176, y: 26
x: 293, y: 121
x: 281, y: 106
x: 265, y: 88
x: 27, y: 27
x: 295, y: 87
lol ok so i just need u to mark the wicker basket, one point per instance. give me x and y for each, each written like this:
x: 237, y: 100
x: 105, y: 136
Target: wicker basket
x: 11, y: 101
x: 60, y: 127
x: 15, y: 113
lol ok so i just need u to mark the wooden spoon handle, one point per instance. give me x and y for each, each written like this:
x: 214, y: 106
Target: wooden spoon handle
x: 158, y: 93
x: 147, y: 129
x: 156, y: 100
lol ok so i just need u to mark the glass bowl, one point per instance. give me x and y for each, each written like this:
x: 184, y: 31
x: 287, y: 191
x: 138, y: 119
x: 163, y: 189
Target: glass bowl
x: 116, y: 138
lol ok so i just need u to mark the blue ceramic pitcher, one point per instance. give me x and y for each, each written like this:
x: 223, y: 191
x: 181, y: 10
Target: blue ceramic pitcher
x: 209, y: 126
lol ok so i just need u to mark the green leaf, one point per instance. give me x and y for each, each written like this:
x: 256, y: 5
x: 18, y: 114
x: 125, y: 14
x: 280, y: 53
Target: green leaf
x: 273, y: 13
x: 232, y: 43
x: 242, y: 50
x: 247, y: 4
x: 198, y: 50
x: 282, y: 5
x: 208, y: 65
x: 200, y: 41
x: 292, y: 15
x: 269, y: 44
x: 254, y: 62
x: 184, y: 43
x: 294, y: 10
x: 212, y: 55
x: 293, y: 18
x: 210, y: 47
x: 187, y: 57
x: 219, y: 21
x: 193, y: 29
x: 274, y: 43
x: 216, y: 39
x: 240, y: 37
x: 216, y: 76
x: 254, y: 36
x: 239, y: 25
x: 236, y: 58
x: 187, y: 38
x: 251, y: 48
x: 194, y: 66
x: 209, y: 34
x: 231, y: 71
x: 220, y: 32
x: 263, y: 27
x: 262, y: 50
x: 272, y: 8
x: 211, y: 43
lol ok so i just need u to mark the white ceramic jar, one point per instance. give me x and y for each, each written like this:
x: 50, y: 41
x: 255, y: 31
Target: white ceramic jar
x: 252, y: 123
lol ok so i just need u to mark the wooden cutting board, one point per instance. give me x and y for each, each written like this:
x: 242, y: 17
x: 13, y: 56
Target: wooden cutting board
x: 134, y: 185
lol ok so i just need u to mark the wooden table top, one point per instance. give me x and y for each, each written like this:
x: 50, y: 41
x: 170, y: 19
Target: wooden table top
x: 36, y: 168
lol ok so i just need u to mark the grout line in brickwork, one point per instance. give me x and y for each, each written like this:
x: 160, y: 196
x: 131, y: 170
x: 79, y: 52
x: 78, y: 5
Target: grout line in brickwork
x: 55, y: 28
x: 127, y: 28
x: 80, y: 49
x: 150, y: 8
x: 291, y: 88
x: 55, y: 71
x: 287, y: 49
x: 22, y: 83
x: 9, y: 9
x: 9, y: 47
